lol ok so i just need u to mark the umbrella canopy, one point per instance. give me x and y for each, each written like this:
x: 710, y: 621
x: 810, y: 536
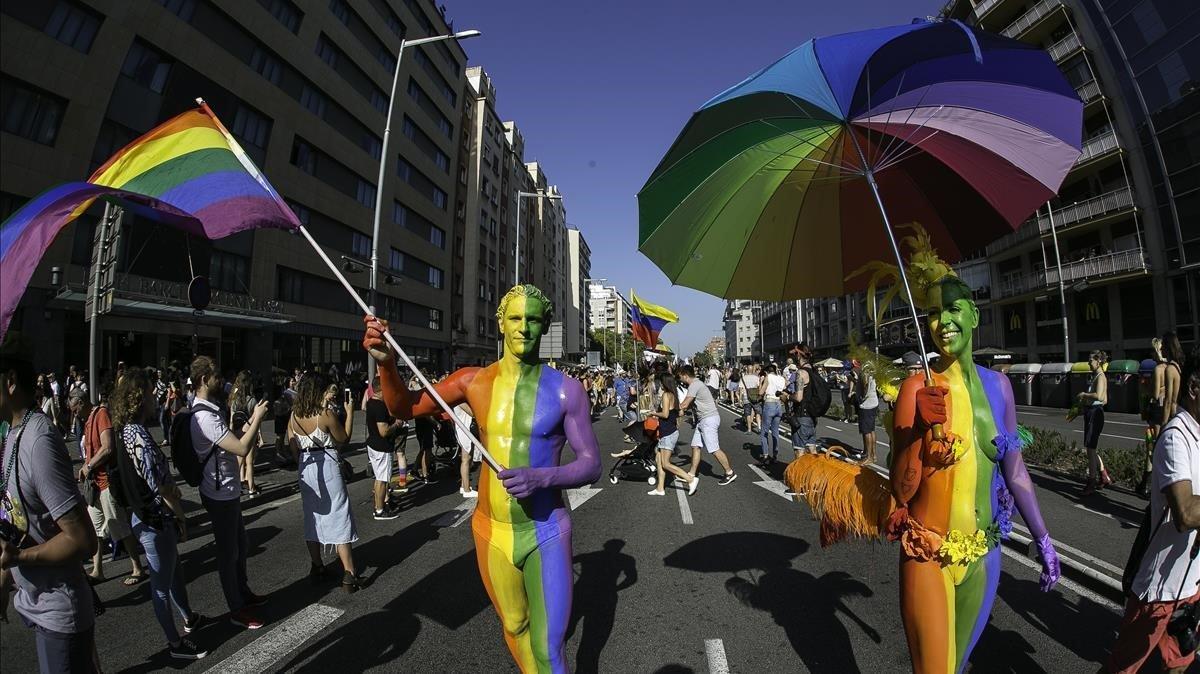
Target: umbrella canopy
x: 829, y: 363
x: 764, y: 194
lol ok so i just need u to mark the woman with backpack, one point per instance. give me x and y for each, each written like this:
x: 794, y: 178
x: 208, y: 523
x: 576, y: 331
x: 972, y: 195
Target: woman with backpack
x: 241, y: 406
x: 312, y: 434
x: 144, y: 480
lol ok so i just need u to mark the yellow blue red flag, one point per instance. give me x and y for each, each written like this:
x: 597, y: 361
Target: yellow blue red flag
x: 648, y: 319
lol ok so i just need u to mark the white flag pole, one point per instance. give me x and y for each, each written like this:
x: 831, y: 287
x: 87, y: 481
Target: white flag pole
x: 404, y: 356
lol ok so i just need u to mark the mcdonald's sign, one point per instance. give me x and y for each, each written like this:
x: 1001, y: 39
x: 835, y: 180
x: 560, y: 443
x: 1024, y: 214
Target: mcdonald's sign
x: 1014, y: 321
x: 1091, y: 311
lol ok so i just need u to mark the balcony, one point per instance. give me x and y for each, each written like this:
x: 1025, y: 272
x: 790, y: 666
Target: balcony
x: 1030, y: 18
x: 1088, y: 92
x: 1099, y: 206
x: 1098, y: 146
x: 1059, y: 51
x: 1092, y: 268
x: 984, y: 7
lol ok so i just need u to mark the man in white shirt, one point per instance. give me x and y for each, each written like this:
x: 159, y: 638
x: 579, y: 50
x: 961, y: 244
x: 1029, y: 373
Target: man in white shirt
x: 709, y: 422
x: 217, y: 448
x: 868, y: 408
x: 713, y: 381
x: 1168, y: 577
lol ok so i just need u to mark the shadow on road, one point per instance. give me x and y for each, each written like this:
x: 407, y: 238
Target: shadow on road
x: 1083, y: 626
x: 1127, y: 516
x: 595, y: 602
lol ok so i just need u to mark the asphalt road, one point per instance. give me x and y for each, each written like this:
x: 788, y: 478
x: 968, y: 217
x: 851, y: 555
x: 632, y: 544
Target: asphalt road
x: 671, y: 584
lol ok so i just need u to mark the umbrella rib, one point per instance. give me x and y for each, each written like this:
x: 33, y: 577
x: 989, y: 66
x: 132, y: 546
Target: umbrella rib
x: 908, y: 139
x: 844, y: 167
x: 894, y: 146
x: 883, y: 151
x: 828, y: 134
x: 905, y: 154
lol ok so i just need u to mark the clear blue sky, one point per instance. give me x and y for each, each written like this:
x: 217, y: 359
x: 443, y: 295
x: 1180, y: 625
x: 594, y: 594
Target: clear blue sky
x: 601, y: 89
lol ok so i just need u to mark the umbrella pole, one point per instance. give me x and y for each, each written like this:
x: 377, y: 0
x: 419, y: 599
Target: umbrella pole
x: 869, y: 174
x: 487, y: 457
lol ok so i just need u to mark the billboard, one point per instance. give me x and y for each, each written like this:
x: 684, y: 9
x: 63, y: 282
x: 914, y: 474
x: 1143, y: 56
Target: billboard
x: 593, y: 359
x: 552, y: 342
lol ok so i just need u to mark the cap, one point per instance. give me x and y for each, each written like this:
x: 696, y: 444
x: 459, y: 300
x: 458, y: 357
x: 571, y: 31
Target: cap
x: 911, y: 359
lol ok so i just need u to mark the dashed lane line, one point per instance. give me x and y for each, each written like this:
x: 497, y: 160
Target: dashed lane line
x: 260, y: 654
x: 714, y: 650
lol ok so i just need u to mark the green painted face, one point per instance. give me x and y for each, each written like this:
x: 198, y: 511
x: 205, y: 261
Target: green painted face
x: 952, y: 319
x: 522, y: 324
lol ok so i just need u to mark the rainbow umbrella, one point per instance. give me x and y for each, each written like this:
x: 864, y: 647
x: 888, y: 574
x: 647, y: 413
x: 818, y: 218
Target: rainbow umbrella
x: 776, y: 187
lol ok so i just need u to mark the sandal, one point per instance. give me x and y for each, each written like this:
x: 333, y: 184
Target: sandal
x: 351, y: 583
x: 134, y: 579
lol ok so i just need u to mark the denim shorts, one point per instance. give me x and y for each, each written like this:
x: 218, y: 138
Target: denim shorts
x: 667, y: 442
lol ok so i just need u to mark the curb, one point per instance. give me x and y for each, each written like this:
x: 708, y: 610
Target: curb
x: 1078, y: 571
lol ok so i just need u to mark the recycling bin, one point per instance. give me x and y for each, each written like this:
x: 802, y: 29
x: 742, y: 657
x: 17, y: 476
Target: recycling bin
x: 1024, y: 380
x: 1002, y: 368
x: 1054, y: 385
x: 1123, y: 386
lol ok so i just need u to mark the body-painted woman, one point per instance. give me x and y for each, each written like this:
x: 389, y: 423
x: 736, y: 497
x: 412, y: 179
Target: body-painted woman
x: 522, y: 530
x: 955, y: 495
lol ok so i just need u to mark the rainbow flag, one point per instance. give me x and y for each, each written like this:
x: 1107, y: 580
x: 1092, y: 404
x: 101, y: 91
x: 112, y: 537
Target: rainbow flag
x: 648, y: 319
x: 189, y: 173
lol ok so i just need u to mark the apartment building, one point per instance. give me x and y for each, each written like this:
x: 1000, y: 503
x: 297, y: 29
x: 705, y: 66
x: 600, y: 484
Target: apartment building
x: 1126, y: 223
x: 716, y: 349
x: 579, y: 270
x: 303, y: 86
x: 741, y: 331
x: 608, y: 309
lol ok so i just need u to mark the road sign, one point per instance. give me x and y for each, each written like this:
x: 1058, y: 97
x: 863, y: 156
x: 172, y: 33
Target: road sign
x: 552, y: 342
x: 593, y: 359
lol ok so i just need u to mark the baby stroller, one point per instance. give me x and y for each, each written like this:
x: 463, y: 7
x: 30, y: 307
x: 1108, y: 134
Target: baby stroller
x: 639, y: 463
x: 445, y: 449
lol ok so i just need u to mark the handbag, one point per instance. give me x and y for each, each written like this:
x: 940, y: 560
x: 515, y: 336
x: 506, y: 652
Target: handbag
x: 91, y: 492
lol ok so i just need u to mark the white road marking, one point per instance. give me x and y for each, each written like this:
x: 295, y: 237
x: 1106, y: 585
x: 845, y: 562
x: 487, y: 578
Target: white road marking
x: 1125, y: 423
x: 1075, y: 552
x: 260, y: 654
x: 770, y: 484
x: 1065, y: 582
x: 714, y: 650
x: 855, y: 432
x: 461, y: 513
x: 1094, y: 512
x: 272, y: 505
x: 684, y: 509
x: 1109, y: 435
x: 577, y: 497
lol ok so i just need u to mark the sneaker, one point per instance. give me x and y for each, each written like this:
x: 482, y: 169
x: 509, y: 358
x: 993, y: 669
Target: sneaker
x: 468, y: 493
x: 186, y: 650
x: 194, y: 623
x: 655, y: 492
x: 245, y: 618
x: 730, y: 477
x: 694, y: 485
x: 386, y: 514
x: 256, y: 600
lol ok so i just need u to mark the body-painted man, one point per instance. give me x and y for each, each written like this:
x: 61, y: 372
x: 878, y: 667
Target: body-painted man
x: 955, y: 495
x: 522, y: 529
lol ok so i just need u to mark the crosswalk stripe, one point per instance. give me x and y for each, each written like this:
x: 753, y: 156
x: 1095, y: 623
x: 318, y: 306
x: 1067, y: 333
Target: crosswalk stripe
x: 684, y: 509
x: 265, y: 651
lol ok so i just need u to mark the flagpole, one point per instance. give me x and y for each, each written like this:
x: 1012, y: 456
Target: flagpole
x: 487, y: 457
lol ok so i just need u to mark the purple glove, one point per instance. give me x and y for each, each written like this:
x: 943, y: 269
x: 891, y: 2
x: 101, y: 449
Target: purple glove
x: 522, y: 482
x: 1050, y: 570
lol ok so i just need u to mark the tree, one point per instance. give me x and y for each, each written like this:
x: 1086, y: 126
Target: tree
x: 616, y: 348
x: 702, y: 360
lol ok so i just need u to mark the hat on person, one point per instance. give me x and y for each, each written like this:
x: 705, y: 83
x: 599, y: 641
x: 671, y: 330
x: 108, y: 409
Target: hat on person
x: 911, y: 359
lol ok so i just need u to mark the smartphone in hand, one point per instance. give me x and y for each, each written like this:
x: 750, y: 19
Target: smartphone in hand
x: 349, y: 397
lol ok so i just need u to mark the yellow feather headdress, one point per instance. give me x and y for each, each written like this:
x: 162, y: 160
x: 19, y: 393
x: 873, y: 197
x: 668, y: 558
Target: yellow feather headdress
x: 925, y: 269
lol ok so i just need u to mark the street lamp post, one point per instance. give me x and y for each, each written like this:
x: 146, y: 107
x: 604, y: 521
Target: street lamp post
x: 383, y: 161
x: 520, y: 196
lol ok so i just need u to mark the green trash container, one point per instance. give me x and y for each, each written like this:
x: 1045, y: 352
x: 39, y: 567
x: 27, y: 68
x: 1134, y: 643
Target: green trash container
x: 1123, y: 386
x: 1081, y: 376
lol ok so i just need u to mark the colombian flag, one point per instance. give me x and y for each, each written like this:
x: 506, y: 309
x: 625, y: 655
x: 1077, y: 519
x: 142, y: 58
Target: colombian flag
x: 648, y: 319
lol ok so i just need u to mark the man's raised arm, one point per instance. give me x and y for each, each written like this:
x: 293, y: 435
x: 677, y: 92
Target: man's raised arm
x: 402, y: 403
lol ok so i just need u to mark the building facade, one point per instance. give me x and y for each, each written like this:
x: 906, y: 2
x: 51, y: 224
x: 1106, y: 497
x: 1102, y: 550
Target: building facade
x: 741, y: 331
x: 608, y: 309
x: 304, y: 90
x: 578, y: 312
x: 1126, y: 223
x: 716, y: 349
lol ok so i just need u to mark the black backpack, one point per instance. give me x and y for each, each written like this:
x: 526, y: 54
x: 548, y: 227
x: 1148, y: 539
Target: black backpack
x: 817, y: 396
x: 183, y: 455
x: 128, y: 488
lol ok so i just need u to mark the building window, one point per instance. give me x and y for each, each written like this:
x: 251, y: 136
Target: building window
x: 340, y: 10
x: 385, y: 57
x: 365, y: 193
x: 285, y: 12
x: 183, y: 9
x: 264, y: 63
x: 372, y: 145
x: 418, y: 225
x: 313, y: 100
x: 289, y: 286
x: 31, y: 113
x: 327, y: 52
x: 360, y: 245
x: 146, y: 66
x: 253, y: 129
x: 228, y: 271
x: 459, y: 247
x: 304, y: 157
x: 112, y: 137
x: 302, y: 213
x: 379, y: 101
x: 73, y: 25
